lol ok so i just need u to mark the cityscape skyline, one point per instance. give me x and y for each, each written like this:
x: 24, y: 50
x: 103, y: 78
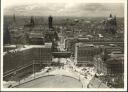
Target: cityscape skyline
x: 64, y: 44
x: 90, y: 56
x: 65, y: 9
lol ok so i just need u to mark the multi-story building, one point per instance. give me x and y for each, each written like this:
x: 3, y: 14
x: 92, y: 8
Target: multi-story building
x: 16, y: 58
x: 115, y: 66
x: 110, y: 49
x: 42, y: 54
x: 110, y: 62
x: 70, y: 45
x: 36, y: 39
x: 111, y: 71
x: 9, y: 47
x: 84, y: 53
x: 21, y: 57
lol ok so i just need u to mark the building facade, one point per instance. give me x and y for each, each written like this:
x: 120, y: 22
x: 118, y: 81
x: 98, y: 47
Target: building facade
x: 84, y: 53
x: 17, y: 58
x: 110, y: 62
x: 42, y: 55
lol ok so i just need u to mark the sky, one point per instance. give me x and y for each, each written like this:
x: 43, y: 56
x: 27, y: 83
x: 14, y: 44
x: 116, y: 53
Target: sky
x: 76, y: 8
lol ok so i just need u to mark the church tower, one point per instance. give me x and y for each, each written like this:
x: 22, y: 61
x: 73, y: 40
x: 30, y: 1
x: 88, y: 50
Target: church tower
x: 50, y: 19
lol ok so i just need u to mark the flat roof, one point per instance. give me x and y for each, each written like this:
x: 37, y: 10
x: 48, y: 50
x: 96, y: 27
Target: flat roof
x: 114, y: 61
x: 9, y: 46
x: 26, y: 47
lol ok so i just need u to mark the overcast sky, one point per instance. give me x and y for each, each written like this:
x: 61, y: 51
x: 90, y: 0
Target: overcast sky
x: 65, y: 8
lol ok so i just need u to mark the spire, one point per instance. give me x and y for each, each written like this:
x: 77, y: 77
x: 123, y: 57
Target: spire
x: 115, y: 22
x: 32, y: 23
x: 110, y: 15
x: 50, y: 19
x: 14, y: 18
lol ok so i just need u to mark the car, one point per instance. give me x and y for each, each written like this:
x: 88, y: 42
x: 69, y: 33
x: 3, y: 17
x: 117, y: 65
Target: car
x: 85, y: 77
x: 84, y: 69
x: 50, y: 69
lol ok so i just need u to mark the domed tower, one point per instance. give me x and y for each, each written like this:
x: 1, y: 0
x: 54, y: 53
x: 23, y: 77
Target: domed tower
x: 110, y: 25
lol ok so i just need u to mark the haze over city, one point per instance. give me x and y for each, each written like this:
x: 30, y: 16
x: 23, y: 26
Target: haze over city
x: 46, y: 8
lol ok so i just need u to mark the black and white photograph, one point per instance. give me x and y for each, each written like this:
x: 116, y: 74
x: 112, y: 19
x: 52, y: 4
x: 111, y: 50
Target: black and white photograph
x: 64, y: 45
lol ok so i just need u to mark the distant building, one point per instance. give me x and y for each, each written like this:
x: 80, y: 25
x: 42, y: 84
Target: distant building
x: 31, y: 23
x: 110, y: 25
x: 52, y: 35
x: 35, y: 39
x: 117, y: 54
x: 6, y: 34
x: 50, y: 19
x: 14, y: 18
x: 109, y: 49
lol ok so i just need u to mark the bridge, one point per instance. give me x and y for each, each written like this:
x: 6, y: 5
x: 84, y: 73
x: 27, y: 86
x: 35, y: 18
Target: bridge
x: 62, y: 54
